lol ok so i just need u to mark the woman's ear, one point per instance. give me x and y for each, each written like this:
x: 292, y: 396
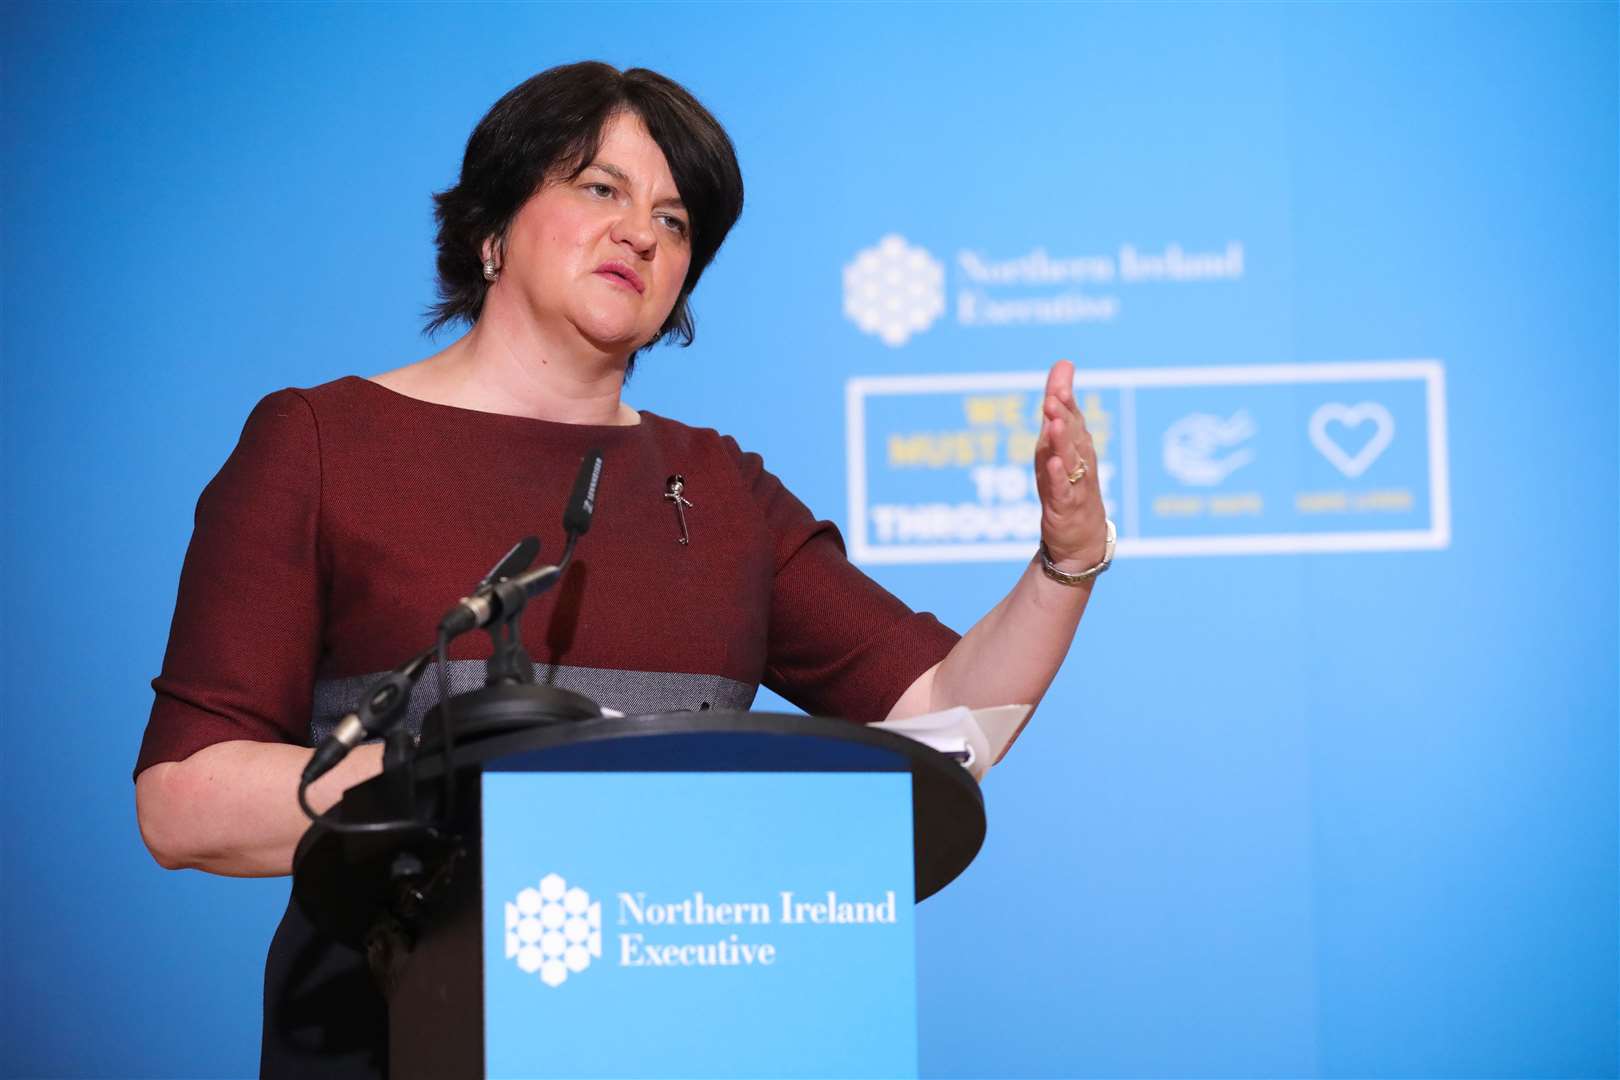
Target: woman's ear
x: 493, y: 254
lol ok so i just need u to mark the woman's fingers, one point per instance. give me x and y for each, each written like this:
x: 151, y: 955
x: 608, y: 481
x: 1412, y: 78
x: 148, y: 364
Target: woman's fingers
x: 1051, y: 442
x: 1060, y: 381
x: 1073, y: 510
x: 1057, y: 480
x: 1067, y: 439
x: 1064, y: 442
x: 1054, y: 464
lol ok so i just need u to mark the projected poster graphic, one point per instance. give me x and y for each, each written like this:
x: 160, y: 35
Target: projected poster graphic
x: 1244, y: 460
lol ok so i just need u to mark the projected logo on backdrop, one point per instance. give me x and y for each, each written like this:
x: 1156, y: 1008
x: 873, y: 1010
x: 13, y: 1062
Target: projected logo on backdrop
x: 1191, y: 461
x: 897, y: 290
x: 894, y: 290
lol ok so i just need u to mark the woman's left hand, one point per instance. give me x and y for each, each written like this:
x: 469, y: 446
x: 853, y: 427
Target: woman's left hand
x: 1015, y: 650
x: 1072, y: 515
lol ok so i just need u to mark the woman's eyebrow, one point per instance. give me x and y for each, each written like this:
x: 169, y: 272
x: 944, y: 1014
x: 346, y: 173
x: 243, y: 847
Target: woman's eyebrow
x: 612, y: 170
x: 624, y: 178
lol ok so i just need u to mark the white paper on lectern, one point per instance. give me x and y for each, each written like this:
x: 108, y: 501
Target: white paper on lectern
x: 1001, y: 725
x: 976, y: 737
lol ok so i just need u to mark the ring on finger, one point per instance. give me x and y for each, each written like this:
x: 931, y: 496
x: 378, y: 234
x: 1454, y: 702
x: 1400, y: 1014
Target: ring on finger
x: 1079, y: 472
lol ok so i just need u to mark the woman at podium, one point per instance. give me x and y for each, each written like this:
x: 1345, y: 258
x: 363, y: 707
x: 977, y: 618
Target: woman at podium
x: 350, y: 514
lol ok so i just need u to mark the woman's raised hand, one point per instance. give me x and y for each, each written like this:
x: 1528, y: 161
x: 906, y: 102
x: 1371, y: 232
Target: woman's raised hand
x: 1015, y: 650
x: 1072, y: 517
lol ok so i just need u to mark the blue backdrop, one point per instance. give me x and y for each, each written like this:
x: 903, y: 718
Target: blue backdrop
x: 1293, y: 807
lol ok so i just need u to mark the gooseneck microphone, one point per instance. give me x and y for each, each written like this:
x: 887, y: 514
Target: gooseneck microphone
x: 375, y: 715
x: 582, y: 503
x: 497, y: 601
x: 388, y: 695
x: 502, y: 597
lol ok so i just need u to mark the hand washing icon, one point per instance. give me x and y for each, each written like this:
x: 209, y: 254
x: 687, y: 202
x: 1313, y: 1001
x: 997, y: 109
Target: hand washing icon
x: 1191, y: 446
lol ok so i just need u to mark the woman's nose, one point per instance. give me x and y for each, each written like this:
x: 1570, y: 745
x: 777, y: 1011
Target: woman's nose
x: 635, y: 228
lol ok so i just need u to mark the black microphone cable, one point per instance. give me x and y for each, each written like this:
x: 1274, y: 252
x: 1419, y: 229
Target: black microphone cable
x: 326, y: 821
x: 447, y: 729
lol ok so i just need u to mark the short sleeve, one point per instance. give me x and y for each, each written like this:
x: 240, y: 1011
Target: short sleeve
x: 839, y: 643
x: 246, y: 634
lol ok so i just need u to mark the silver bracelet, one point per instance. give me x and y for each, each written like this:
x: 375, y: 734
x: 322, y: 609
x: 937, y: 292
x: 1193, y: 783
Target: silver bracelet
x: 1083, y: 576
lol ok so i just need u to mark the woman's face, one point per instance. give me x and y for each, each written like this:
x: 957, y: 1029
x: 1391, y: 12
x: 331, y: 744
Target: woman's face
x: 603, y: 254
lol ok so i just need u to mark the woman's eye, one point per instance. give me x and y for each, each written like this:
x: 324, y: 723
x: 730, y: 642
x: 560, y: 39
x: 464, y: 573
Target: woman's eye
x: 675, y: 224
x: 600, y: 190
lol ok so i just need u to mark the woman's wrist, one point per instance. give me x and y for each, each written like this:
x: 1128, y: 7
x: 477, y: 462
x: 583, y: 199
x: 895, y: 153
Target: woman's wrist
x: 1072, y: 558
x: 1082, y: 565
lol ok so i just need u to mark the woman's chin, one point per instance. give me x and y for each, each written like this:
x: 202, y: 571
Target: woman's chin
x: 611, y: 335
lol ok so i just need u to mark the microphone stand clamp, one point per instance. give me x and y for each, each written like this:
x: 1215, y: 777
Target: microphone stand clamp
x: 509, y: 663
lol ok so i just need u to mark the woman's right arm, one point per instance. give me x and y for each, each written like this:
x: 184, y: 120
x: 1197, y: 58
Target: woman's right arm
x: 232, y: 808
x: 217, y: 777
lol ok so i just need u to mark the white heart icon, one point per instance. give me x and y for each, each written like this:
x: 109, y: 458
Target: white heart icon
x: 1351, y: 416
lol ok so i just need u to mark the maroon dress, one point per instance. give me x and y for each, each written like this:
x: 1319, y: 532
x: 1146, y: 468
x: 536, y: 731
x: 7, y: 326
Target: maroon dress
x: 350, y: 517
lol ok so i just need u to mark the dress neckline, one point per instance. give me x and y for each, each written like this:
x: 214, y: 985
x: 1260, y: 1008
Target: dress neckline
x: 479, y: 416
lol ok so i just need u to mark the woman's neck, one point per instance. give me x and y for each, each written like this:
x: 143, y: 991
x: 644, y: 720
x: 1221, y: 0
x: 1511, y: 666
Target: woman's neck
x: 496, y: 367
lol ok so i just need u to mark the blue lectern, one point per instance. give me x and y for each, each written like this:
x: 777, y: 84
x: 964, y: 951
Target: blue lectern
x: 692, y: 894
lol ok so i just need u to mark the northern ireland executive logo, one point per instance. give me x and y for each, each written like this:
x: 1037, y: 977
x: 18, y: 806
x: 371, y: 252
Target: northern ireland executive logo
x: 553, y: 930
x: 897, y: 290
x: 894, y: 290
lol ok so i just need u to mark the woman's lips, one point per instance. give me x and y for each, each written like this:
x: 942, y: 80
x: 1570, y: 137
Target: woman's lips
x: 617, y: 271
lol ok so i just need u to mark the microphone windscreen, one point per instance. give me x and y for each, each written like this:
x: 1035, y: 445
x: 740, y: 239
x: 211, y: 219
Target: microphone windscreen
x: 516, y: 561
x: 582, y: 503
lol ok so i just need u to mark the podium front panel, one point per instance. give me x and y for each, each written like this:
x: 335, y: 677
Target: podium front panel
x: 684, y: 924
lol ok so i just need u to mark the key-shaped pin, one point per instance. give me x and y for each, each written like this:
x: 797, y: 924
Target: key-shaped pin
x: 677, y: 485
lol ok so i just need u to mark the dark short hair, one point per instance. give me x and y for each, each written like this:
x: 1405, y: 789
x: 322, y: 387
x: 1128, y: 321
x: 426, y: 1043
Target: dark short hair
x: 550, y: 127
